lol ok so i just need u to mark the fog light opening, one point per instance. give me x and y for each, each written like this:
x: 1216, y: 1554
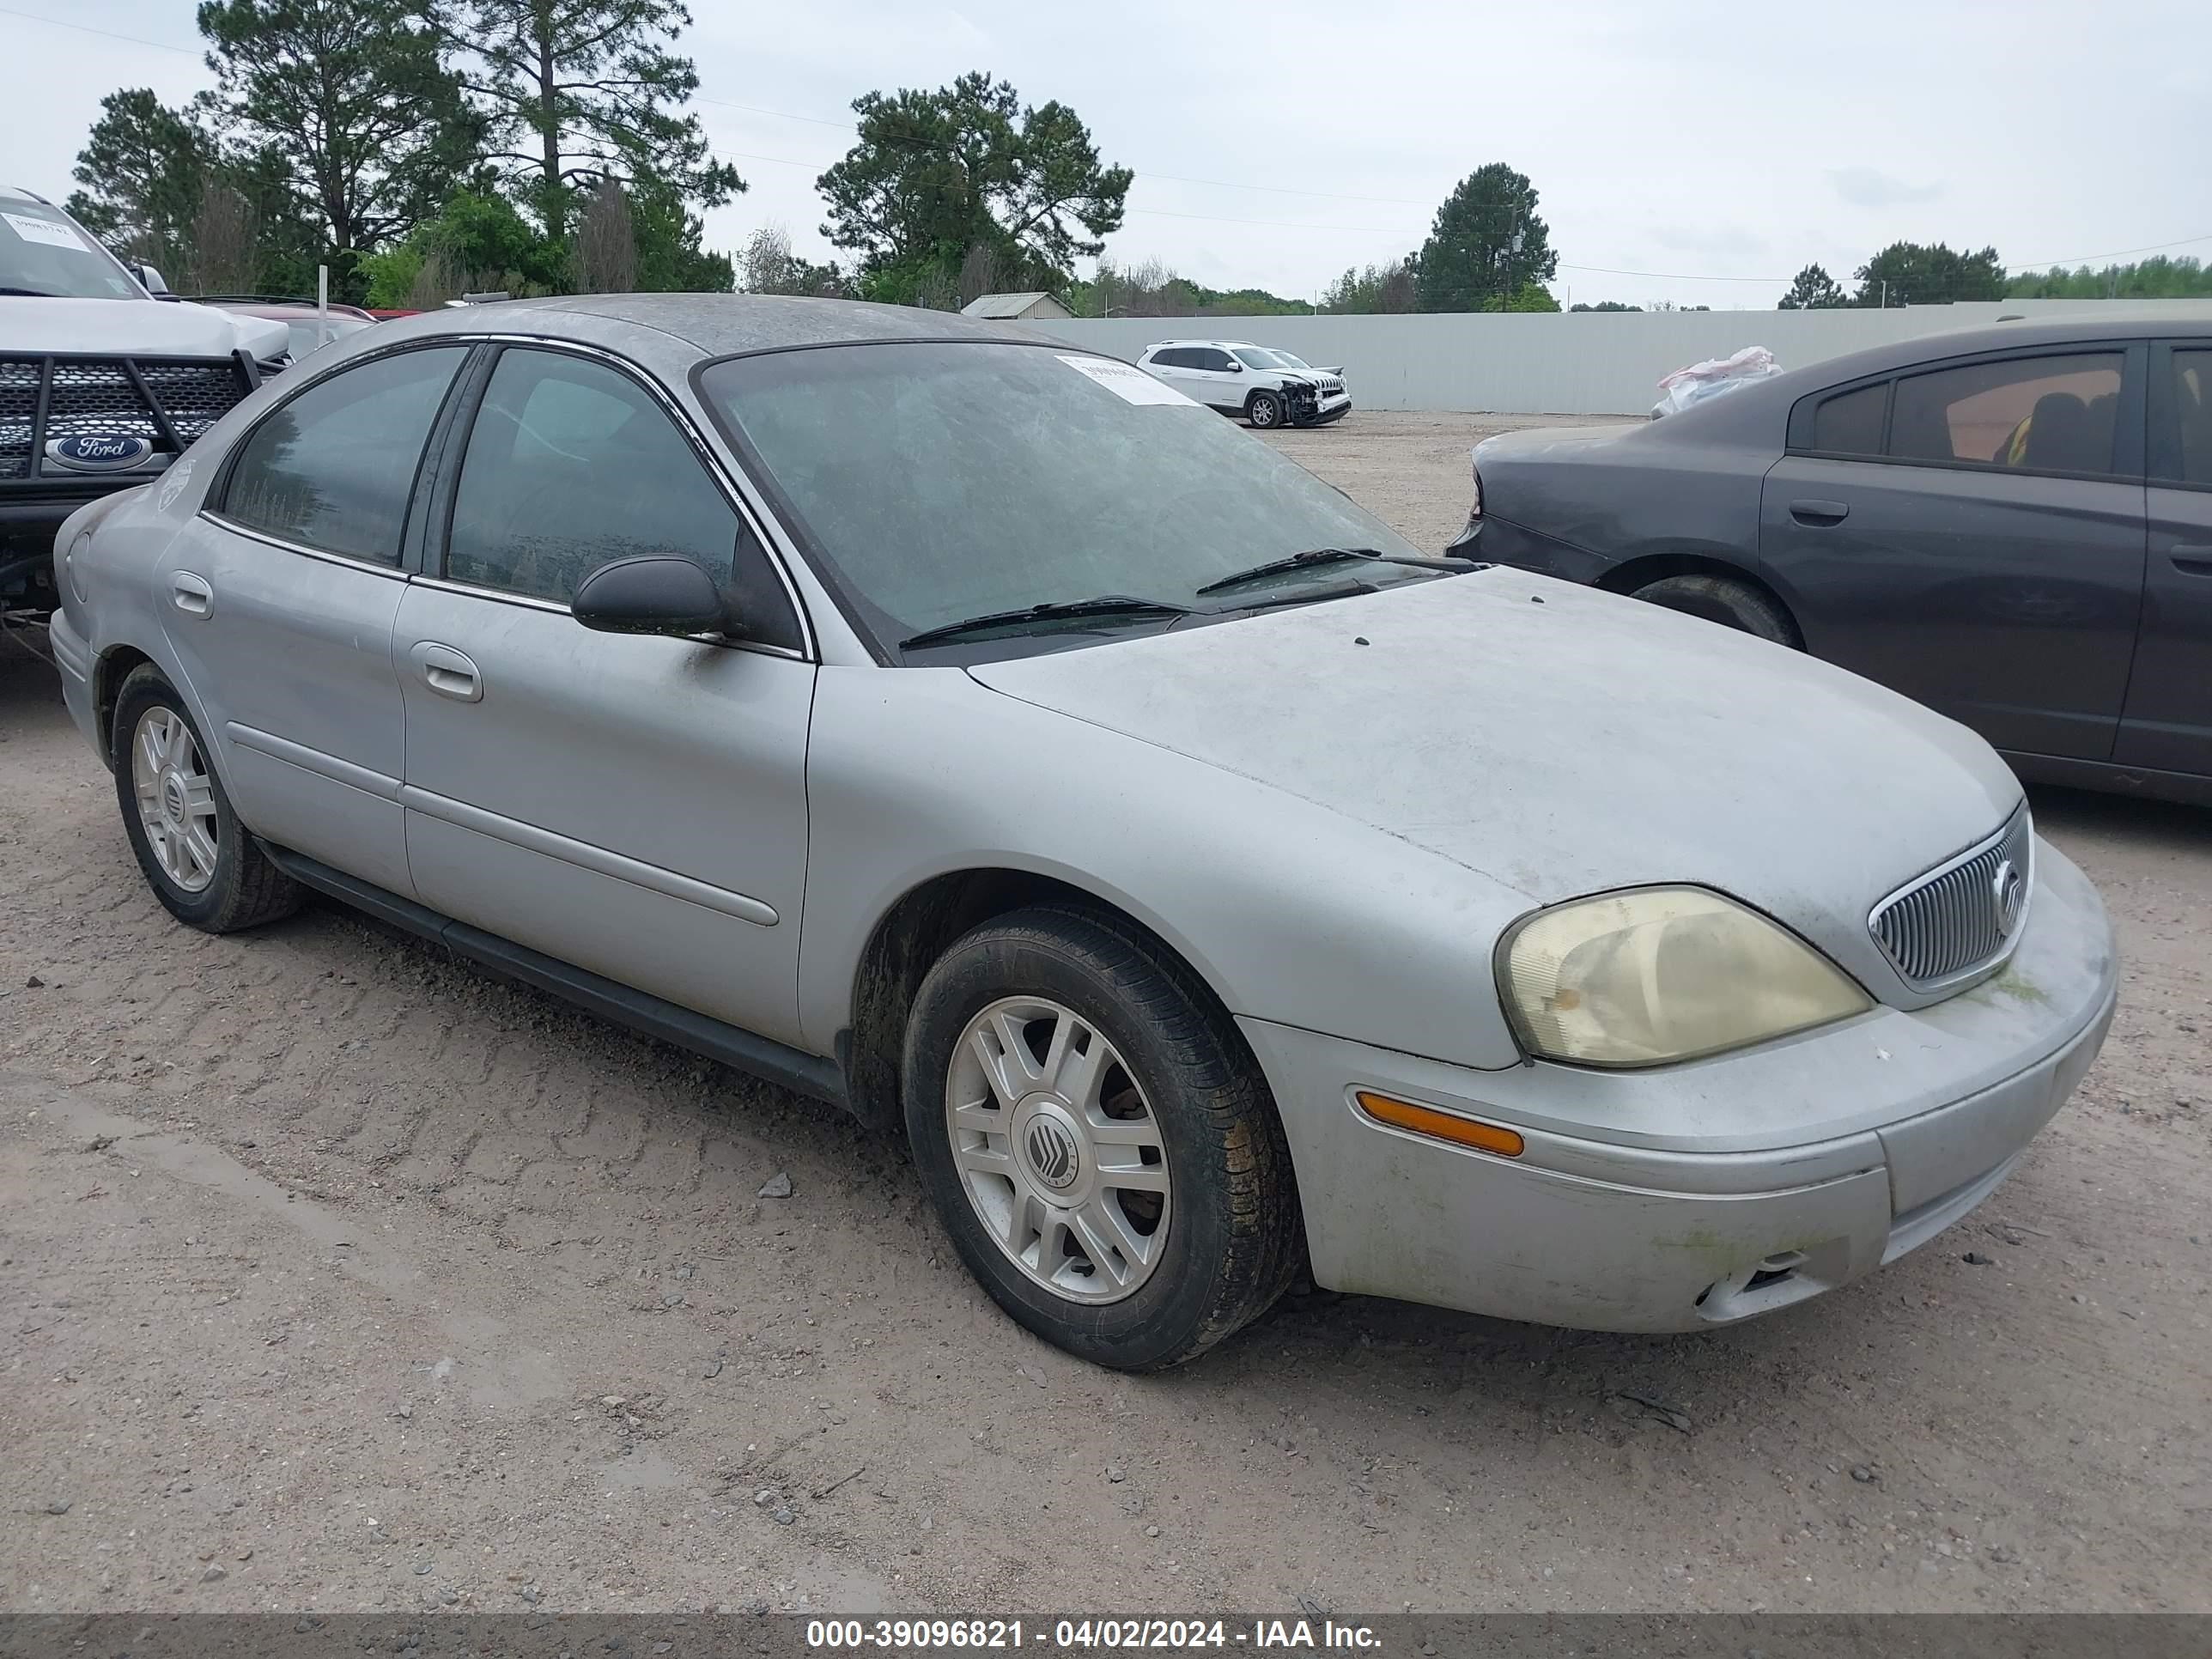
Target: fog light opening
x: 1439, y: 1126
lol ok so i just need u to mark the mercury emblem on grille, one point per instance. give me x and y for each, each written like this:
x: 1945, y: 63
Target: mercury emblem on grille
x: 2010, y: 888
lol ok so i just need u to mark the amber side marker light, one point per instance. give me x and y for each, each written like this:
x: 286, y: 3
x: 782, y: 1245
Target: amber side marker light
x: 1439, y: 1126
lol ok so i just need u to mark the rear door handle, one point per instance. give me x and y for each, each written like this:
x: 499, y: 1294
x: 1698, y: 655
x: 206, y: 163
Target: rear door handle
x: 2195, y: 557
x: 1819, y: 513
x: 446, y: 671
x: 191, y: 594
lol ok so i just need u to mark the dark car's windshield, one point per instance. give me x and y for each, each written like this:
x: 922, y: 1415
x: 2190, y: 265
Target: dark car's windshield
x: 942, y: 481
x: 42, y: 252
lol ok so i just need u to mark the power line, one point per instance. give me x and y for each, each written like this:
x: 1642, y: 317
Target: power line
x: 108, y: 34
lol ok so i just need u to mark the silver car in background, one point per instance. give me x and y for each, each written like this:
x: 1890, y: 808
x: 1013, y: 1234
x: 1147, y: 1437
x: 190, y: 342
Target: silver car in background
x: 979, y: 734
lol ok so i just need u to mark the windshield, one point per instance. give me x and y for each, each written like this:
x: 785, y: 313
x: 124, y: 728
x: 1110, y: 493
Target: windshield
x: 43, y: 251
x: 942, y: 481
x: 1260, y: 357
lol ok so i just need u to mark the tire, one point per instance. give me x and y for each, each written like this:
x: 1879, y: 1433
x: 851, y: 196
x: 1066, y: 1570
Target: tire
x: 1264, y: 409
x: 1724, y: 600
x: 1227, y: 1203
x: 237, y: 887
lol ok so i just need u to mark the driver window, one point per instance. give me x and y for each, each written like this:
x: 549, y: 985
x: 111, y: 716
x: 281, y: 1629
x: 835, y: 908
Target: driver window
x: 571, y: 465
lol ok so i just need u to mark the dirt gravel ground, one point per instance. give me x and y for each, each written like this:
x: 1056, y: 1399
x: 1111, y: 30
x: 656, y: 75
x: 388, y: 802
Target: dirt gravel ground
x: 339, y: 1276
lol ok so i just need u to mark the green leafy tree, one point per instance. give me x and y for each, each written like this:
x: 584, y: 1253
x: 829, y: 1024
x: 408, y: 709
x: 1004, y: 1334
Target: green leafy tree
x: 1813, y: 290
x: 145, y: 168
x: 937, y: 174
x: 1386, y: 288
x: 478, y: 243
x: 1909, y: 273
x: 669, y: 257
x: 353, y: 97
x: 1488, y: 246
x: 2162, y: 277
x: 573, y: 92
x: 1605, y: 305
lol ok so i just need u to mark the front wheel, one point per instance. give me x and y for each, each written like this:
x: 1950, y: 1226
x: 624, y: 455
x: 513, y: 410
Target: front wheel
x: 1096, y: 1141
x: 1264, y: 410
x: 196, y: 855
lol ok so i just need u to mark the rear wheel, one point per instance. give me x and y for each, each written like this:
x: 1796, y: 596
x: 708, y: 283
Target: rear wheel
x: 196, y: 857
x: 1723, y: 599
x: 1097, y: 1142
x: 1264, y: 409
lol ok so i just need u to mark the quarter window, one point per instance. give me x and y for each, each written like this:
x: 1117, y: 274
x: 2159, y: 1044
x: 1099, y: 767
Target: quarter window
x: 333, y: 468
x: 2192, y: 410
x: 1850, y: 424
x: 2050, y: 414
x: 572, y: 465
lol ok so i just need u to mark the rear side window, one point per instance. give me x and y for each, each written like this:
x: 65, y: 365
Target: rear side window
x: 2052, y: 414
x: 1176, y: 357
x: 2192, y: 408
x: 572, y: 465
x: 332, y: 469
x: 1850, y: 424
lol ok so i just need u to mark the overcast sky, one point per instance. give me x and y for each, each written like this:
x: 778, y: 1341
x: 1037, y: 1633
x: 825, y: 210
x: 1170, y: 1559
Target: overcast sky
x: 1695, y: 140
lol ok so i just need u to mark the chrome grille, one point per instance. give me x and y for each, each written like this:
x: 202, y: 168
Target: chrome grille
x: 1963, y: 914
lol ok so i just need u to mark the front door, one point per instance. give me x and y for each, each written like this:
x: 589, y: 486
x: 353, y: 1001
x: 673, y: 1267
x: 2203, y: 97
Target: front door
x: 2168, y: 723
x: 1981, y: 549
x: 280, y: 599
x: 635, y: 805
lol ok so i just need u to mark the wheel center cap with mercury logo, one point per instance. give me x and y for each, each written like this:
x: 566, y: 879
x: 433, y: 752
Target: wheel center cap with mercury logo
x: 172, y: 798
x: 1050, y: 1147
x: 2009, y: 889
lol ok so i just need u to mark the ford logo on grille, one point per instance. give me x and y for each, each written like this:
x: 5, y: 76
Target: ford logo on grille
x: 99, y: 452
x: 2010, y: 888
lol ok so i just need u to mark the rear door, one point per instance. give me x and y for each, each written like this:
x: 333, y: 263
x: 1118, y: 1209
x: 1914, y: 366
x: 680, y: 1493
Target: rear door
x: 1176, y: 365
x: 2167, y: 725
x: 280, y: 599
x: 1972, y: 534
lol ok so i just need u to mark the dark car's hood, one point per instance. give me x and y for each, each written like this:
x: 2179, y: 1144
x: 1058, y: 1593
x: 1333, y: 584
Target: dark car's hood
x: 1562, y: 741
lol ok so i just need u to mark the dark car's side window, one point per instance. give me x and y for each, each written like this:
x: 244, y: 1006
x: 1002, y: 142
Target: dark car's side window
x: 571, y: 465
x: 2193, y: 415
x: 1850, y: 424
x: 332, y: 469
x: 2045, y: 414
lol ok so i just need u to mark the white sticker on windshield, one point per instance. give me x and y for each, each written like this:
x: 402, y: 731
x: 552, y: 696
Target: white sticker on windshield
x: 1125, y: 381
x: 45, y: 230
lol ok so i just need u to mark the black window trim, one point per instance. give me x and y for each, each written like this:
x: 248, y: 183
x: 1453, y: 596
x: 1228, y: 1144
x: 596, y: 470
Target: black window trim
x: 454, y: 451
x: 215, y: 503
x: 2162, y: 436
x: 2128, y: 424
x: 883, y: 651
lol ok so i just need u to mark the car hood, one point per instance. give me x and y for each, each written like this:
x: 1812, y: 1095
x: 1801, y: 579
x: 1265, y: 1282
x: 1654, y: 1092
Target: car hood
x: 138, y: 327
x: 1562, y: 741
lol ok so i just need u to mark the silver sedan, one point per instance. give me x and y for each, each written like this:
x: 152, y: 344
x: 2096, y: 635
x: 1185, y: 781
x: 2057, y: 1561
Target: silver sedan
x: 974, y: 732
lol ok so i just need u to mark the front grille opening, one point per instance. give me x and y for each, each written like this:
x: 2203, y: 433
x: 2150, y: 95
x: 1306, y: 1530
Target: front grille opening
x: 1961, y: 916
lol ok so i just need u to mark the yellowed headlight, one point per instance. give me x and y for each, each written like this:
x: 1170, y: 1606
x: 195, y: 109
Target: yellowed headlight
x: 1660, y: 974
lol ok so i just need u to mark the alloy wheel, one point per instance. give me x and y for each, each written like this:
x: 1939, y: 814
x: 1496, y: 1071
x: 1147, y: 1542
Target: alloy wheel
x: 176, y: 798
x: 1058, y: 1149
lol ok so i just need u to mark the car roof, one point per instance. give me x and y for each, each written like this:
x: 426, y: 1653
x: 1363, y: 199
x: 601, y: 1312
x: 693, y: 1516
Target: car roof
x: 714, y: 325
x: 1225, y: 345
x: 2004, y: 337
x: 17, y: 193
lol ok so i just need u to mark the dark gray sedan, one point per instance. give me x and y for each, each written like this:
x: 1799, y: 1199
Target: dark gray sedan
x: 2012, y: 525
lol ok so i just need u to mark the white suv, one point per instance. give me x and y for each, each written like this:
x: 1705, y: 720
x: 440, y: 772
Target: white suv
x: 1266, y: 387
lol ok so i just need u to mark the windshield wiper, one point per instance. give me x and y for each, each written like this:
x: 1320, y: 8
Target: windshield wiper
x: 30, y: 293
x: 1106, y: 605
x: 1330, y: 555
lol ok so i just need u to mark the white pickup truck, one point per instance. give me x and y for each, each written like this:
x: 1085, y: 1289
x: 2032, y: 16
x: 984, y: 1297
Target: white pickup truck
x: 103, y: 382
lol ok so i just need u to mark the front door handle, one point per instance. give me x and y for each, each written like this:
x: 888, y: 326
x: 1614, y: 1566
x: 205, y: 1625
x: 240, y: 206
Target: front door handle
x: 446, y: 671
x: 191, y: 594
x: 2195, y: 557
x: 1819, y: 513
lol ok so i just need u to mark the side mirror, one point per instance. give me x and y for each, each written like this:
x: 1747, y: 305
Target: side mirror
x: 152, y: 281
x: 1235, y: 368
x: 654, y: 593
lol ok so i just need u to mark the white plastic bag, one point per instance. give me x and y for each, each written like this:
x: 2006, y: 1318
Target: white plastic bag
x: 1712, y: 377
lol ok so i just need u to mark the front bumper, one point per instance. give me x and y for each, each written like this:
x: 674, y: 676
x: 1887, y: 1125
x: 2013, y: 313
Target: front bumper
x: 1331, y: 406
x: 1703, y: 1194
